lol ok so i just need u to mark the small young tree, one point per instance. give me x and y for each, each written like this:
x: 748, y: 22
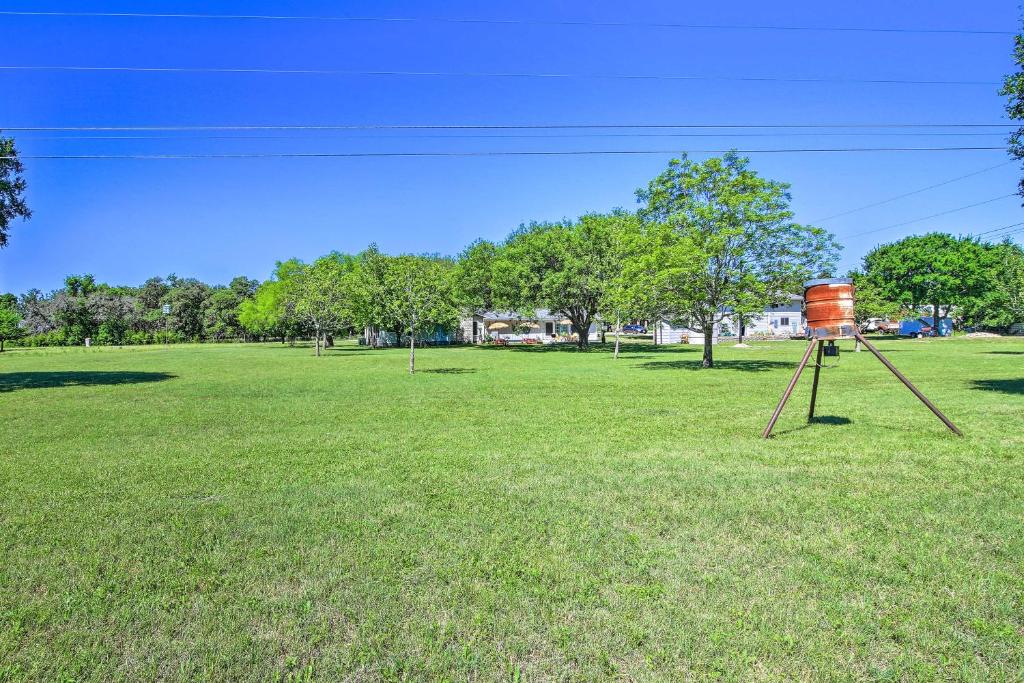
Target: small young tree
x: 734, y: 243
x: 627, y: 294
x: 425, y: 297
x: 323, y: 295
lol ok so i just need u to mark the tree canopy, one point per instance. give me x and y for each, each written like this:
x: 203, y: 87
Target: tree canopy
x: 936, y: 269
x: 730, y: 243
x: 569, y: 268
x: 12, y: 189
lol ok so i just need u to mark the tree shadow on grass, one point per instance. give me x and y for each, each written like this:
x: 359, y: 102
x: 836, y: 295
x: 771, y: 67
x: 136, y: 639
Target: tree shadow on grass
x: 832, y: 420
x: 448, y: 371
x: 1007, y: 386
x: 742, y: 365
x: 595, y: 347
x: 1006, y: 353
x: 13, y: 381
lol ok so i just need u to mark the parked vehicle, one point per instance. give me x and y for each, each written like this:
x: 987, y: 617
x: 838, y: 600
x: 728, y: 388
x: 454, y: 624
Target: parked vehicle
x: 634, y: 329
x: 881, y: 326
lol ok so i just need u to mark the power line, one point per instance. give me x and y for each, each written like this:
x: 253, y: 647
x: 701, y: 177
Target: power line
x: 934, y: 215
x: 514, y: 136
x: 909, y: 194
x: 503, y: 126
x: 517, y: 22
x: 989, y: 232
x: 333, y: 155
x: 486, y: 74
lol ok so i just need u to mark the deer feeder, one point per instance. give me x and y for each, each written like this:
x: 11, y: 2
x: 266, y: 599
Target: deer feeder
x: 828, y: 305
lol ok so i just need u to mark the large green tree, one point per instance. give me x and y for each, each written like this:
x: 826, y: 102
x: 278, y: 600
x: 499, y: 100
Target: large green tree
x: 732, y: 242
x: 12, y: 189
x: 569, y: 268
x: 936, y: 269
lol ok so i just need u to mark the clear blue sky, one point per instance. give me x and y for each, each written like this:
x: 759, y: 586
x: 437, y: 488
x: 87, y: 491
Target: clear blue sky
x: 125, y: 221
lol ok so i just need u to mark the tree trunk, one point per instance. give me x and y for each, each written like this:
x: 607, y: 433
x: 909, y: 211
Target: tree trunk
x: 618, y: 329
x: 582, y: 334
x: 316, y: 335
x: 936, y: 320
x: 709, y: 360
x: 1, y: 345
x: 412, y: 349
x: 742, y: 330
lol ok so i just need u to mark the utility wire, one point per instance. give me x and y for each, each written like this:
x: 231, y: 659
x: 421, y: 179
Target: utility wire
x: 513, y: 136
x: 502, y: 126
x: 934, y: 215
x: 517, y: 22
x: 487, y: 74
x: 1005, y: 227
x: 909, y: 194
x: 338, y: 155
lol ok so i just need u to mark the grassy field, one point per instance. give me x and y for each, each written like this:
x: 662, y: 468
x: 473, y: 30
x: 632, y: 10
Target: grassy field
x: 255, y: 513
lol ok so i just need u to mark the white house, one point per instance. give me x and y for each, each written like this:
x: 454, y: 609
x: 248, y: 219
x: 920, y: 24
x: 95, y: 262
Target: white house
x: 665, y: 332
x: 783, y: 321
x: 543, y: 326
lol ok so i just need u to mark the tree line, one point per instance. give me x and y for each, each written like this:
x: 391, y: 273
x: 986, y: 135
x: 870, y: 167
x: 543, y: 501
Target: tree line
x: 709, y: 240
x: 977, y: 284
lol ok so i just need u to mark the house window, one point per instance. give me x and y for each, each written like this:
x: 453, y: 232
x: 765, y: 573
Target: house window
x: 549, y: 329
x: 785, y: 322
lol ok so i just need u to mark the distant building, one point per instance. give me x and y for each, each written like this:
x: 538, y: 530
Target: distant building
x: 782, y: 321
x: 543, y: 326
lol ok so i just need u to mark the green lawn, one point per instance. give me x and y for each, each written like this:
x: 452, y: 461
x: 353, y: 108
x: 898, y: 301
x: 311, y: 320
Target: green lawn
x: 232, y: 512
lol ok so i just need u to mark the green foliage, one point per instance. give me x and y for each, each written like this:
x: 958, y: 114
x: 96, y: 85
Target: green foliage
x: 189, y: 298
x: 1013, y: 91
x: 10, y: 320
x: 935, y: 269
x: 1002, y: 302
x: 871, y: 301
x: 12, y: 189
x: 271, y: 312
x: 323, y: 295
x: 730, y: 243
x: 473, y: 274
x: 222, y: 313
x: 571, y: 268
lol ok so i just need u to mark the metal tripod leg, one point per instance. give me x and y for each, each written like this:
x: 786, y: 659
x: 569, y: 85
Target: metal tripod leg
x: 814, y: 387
x: 906, y: 382
x: 789, y: 390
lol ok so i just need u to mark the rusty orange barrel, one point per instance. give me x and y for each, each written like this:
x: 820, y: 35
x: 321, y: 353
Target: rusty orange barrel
x: 829, y: 307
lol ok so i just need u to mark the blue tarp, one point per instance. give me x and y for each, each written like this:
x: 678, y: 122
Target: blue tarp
x: 914, y: 326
